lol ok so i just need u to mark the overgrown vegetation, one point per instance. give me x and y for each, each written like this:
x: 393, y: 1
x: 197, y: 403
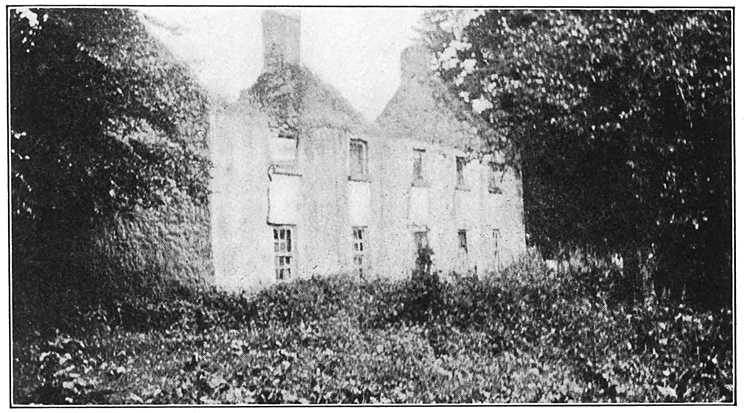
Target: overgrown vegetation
x: 109, y: 164
x: 526, y: 335
x: 620, y: 122
x: 108, y: 161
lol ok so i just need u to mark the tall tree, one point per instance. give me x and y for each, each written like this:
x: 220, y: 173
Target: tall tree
x: 107, y: 134
x: 102, y: 119
x: 620, y: 122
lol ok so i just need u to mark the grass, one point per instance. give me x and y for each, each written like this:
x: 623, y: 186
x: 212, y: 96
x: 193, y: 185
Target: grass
x: 524, y: 336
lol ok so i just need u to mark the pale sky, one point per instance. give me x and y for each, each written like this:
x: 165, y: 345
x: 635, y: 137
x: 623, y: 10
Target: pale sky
x: 357, y: 50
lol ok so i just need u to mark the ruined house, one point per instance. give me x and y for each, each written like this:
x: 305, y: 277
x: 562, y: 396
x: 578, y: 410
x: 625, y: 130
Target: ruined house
x: 303, y: 185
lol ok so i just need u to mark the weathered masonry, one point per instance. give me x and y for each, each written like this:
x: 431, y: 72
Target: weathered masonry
x: 303, y: 184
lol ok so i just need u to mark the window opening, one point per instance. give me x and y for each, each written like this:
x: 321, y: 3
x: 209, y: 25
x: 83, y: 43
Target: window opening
x: 493, y: 179
x: 418, y: 165
x: 462, y: 237
x: 359, y: 235
x: 358, y: 160
x: 497, y: 258
x: 421, y: 239
x: 283, y: 252
x: 460, y: 161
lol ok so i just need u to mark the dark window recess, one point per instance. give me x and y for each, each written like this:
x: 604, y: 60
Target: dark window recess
x: 497, y: 258
x: 287, y: 132
x: 358, y: 163
x: 462, y: 237
x: 494, y: 179
x: 418, y: 166
x: 460, y: 161
x: 420, y: 239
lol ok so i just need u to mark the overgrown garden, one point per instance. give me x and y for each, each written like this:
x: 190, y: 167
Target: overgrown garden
x: 618, y: 121
x: 527, y: 335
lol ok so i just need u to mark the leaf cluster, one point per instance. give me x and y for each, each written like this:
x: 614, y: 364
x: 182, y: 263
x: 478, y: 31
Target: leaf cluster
x: 530, y: 334
x: 103, y: 118
x: 622, y: 120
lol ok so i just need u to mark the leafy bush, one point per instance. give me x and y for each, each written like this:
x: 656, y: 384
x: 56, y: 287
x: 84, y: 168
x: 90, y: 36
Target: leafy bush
x: 109, y: 167
x: 525, y: 335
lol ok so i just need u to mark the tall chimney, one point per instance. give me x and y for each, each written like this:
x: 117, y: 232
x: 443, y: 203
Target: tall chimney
x: 281, y: 39
x: 414, y: 61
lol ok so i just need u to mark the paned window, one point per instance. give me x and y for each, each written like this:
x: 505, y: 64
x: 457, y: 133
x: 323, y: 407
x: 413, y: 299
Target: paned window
x: 359, y: 244
x: 284, y: 251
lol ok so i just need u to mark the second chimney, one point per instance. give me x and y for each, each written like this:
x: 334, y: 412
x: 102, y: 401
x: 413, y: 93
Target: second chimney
x: 414, y: 62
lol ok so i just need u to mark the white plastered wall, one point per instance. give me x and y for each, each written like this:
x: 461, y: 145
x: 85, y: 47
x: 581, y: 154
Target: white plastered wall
x: 242, y: 245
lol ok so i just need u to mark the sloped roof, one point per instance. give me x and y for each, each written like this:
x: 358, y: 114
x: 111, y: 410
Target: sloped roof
x: 297, y: 93
x: 424, y: 109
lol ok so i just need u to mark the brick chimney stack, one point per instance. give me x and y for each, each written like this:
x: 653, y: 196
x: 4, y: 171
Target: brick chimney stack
x: 414, y: 61
x: 281, y: 39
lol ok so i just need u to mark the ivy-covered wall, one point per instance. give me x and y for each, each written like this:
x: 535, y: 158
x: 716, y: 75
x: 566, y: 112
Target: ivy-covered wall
x: 109, y: 164
x: 170, y: 243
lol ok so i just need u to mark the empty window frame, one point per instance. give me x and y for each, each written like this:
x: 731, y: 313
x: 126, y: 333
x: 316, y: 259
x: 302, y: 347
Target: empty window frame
x: 359, y: 236
x: 418, y: 165
x: 284, y: 251
x: 494, y: 178
x: 420, y: 239
x: 285, y: 143
x: 422, y: 257
x: 358, y: 163
x: 460, y: 165
x: 284, y: 148
x: 462, y: 238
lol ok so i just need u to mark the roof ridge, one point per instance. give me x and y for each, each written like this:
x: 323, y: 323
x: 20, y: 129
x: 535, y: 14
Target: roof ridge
x: 296, y: 90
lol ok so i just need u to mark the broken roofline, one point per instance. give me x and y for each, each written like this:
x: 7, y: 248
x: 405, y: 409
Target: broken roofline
x: 294, y: 91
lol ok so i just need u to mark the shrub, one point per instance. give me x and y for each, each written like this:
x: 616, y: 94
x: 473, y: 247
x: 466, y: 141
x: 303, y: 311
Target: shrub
x: 524, y: 335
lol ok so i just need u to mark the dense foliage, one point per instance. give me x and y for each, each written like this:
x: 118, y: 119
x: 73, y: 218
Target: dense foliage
x: 104, y: 123
x: 528, y: 335
x: 102, y: 117
x: 620, y: 122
